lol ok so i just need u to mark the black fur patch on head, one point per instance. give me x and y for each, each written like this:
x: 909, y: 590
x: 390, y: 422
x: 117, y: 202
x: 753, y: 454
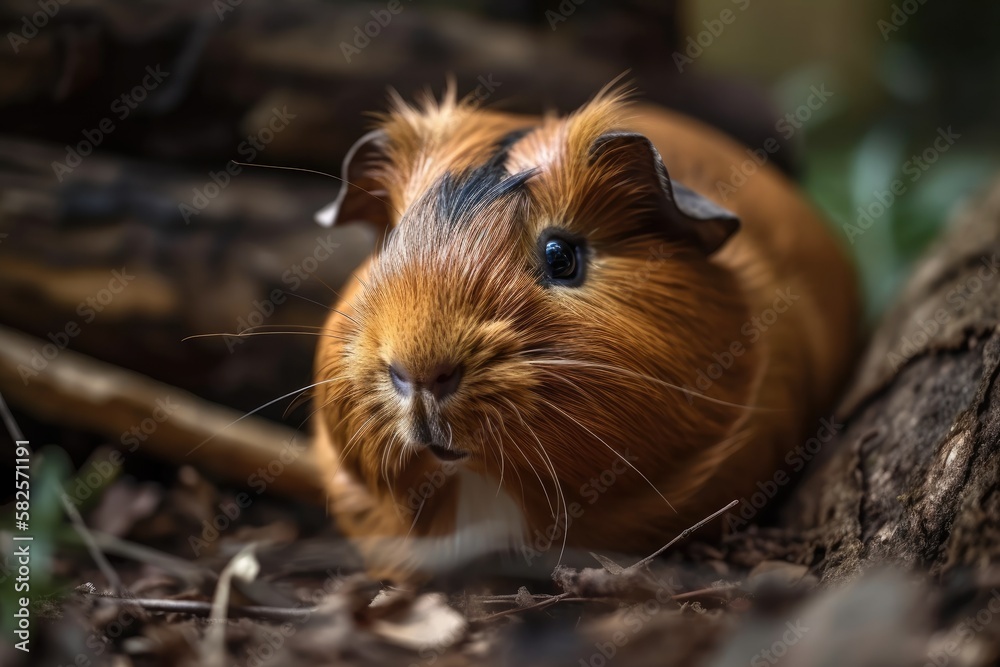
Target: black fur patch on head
x: 508, y: 140
x: 459, y: 196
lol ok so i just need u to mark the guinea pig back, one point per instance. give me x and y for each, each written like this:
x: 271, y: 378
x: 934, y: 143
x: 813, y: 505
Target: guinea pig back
x: 572, y: 338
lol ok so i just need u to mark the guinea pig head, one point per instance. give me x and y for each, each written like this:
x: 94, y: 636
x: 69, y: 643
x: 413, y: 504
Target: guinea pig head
x: 534, y: 316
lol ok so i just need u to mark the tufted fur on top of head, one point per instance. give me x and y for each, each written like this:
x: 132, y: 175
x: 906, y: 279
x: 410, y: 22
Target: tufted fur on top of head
x: 416, y: 146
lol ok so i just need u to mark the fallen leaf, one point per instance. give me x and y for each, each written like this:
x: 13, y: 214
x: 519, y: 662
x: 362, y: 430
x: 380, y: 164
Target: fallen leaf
x: 427, y: 623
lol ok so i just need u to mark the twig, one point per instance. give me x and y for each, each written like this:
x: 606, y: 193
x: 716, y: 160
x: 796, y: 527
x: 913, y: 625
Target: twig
x: 684, y: 533
x: 244, y: 567
x: 546, y: 598
x: 88, y: 539
x: 183, y: 569
x: 534, y: 607
x: 204, y: 609
x: 74, y: 515
x: 703, y: 591
x: 565, y: 596
x: 82, y: 392
x: 9, y: 421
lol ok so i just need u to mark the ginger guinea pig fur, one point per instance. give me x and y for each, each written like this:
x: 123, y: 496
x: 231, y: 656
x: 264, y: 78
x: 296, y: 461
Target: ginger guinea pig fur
x: 568, y: 339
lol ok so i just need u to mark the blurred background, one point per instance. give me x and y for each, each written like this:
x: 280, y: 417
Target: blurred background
x: 125, y: 227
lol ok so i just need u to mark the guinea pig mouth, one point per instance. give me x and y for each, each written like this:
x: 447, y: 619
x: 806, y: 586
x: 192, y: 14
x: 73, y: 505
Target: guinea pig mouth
x: 446, y: 454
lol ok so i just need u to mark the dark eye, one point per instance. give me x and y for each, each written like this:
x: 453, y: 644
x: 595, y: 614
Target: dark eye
x: 561, y: 259
x: 563, y: 262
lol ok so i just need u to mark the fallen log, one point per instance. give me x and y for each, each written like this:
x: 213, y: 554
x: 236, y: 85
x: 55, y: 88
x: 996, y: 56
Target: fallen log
x: 912, y: 479
x: 162, y: 421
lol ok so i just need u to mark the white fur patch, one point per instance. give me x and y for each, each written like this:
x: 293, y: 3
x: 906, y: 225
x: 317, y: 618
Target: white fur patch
x: 486, y: 522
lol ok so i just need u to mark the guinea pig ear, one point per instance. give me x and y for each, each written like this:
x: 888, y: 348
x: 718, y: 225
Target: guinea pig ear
x: 360, y: 197
x: 687, y: 213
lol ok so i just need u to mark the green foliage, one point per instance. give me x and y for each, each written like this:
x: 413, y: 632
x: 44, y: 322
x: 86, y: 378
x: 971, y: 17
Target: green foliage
x: 47, y: 520
x: 882, y: 137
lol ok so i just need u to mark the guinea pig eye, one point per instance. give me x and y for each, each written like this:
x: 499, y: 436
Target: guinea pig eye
x: 562, y: 261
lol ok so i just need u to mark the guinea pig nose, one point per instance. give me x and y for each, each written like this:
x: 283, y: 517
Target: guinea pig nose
x: 400, y: 379
x: 441, y: 381
x: 444, y: 380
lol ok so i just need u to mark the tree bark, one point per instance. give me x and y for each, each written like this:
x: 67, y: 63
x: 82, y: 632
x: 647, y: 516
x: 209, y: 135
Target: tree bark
x: 912, y: 479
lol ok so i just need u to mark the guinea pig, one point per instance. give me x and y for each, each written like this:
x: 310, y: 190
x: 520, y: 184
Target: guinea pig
x: 576, y: 334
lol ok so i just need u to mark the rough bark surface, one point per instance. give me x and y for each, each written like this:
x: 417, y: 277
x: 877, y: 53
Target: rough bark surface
x: 912, y: 480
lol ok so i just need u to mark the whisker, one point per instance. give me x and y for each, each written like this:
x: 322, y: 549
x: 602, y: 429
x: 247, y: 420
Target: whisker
x: 323, y: 283
x: 313, y: 414
x: 503, y: 453
x: 561, y: 496
x: 500, y: 451
x: 358, y: 432
x: 309, y: 327
x: 545, y: 491
x: 342, y: 455
x: 648, y: 378
x: 320, y: 173
x: 262, y: 333
x: 322, y: 305
x: 297, y: 402
x: 258, y: 409
x: 489, y: 427
x: 520, y: 482
x: 385, y: 475
x: 423, y: 499
x: 615, y: 452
